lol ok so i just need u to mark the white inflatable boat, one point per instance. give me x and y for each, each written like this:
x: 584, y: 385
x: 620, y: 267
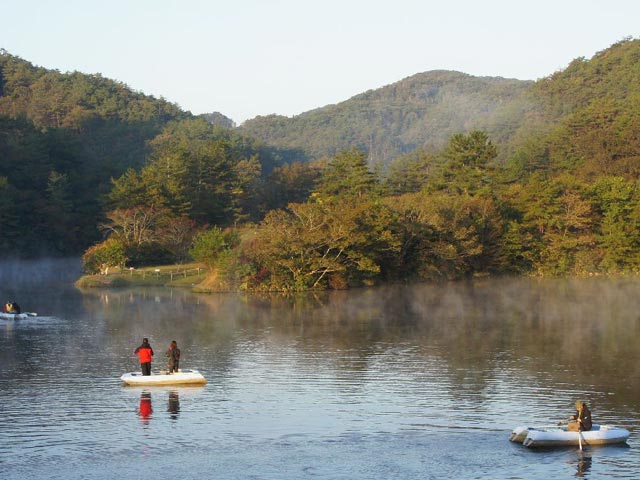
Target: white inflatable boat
x: 181, y: 377
x: 556, y: 436
x: 17, y: 316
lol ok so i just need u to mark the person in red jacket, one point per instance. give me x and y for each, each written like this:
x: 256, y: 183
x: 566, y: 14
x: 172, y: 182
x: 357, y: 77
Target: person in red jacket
x: 145, y: 353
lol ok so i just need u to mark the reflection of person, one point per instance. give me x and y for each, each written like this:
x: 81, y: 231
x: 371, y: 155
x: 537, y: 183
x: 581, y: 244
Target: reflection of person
x: 174, y: 357
x: 174, y: 404
x: 145, y: 409
x: 581, y: 421
x: 145, y: 352
x: 584, y: 465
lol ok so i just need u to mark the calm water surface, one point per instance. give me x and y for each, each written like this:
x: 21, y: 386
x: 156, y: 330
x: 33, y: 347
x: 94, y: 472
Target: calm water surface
x: 422, y: 381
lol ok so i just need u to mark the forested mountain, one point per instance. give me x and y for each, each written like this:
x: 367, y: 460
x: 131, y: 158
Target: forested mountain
x: 65, y: 136
x: 420, y: 111
x: 62, y: 137
x: 586, y: 118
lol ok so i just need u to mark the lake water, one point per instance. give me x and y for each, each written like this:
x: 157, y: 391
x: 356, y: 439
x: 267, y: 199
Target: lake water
x: 403, y: 382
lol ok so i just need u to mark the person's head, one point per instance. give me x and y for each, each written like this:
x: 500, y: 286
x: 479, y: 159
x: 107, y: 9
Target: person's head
x: 580, y: 404
x: 145, y: 341
x: 174, y: 344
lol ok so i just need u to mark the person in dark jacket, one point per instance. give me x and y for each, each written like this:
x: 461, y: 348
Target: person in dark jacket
x: 581, y: 421
x: 174, y: 357
x: 145, y: 353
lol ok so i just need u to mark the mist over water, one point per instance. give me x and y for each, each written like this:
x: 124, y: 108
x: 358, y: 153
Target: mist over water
x: 39, y: 273
x: 418, y: 381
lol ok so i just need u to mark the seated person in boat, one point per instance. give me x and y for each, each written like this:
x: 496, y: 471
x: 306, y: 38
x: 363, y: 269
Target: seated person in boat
x: 12, y: 307
x: 581, y: 421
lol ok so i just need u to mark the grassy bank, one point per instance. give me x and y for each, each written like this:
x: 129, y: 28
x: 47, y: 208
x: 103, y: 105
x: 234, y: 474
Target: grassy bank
x: 183, y: 275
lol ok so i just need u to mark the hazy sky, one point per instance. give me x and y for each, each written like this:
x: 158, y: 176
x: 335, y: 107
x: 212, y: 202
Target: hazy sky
x: 249, y: 57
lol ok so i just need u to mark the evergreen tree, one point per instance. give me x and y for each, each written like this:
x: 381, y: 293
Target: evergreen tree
x: 347, y: 176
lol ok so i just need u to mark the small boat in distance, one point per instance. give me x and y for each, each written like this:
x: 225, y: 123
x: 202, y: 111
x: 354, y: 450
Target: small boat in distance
x: 557, y: 436
x: 181, y: 377
x: 17, y: 316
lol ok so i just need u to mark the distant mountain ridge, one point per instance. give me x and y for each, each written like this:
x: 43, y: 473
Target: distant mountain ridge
x: 418, y: 111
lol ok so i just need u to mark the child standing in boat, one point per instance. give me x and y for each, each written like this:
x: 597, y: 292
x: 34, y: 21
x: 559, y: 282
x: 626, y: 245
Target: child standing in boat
x: 174, y: 357
x: 145, y: 353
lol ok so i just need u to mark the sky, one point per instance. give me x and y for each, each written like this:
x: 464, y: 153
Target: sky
x: 245, y: 58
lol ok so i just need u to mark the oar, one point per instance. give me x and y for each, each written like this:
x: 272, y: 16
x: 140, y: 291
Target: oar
x: 32, y: 314
x: 580, y: 438
x: 579, y: 434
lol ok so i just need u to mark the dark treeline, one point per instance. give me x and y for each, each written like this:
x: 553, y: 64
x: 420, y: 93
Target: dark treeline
x: 555, y: 192
x: 62, y: 137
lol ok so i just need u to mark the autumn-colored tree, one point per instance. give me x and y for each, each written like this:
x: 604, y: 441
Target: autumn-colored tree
x: 103, y: 256
x: 313, y: 245
x: 134, y: 226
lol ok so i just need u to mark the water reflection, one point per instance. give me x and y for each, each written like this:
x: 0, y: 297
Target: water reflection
x: 476, y: 328
x: 145, y: 409
x: 173, y: 406
x: 145, y: 405
x: 584, y: 464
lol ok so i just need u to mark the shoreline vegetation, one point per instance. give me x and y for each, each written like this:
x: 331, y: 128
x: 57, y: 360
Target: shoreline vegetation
x: 178, y: 275
x: 199, y: 278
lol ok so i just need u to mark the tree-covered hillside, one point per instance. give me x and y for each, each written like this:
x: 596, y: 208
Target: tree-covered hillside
x: 63, y: 137
x: 586, y: 118
x: 420, y: 111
